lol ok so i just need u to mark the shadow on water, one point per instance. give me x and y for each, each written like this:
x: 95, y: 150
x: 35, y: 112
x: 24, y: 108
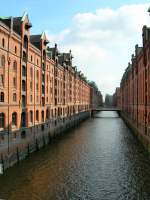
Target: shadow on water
x: 99, y: 160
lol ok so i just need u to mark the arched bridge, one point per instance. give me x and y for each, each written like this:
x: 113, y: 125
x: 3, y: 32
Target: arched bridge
x: 95, y: 110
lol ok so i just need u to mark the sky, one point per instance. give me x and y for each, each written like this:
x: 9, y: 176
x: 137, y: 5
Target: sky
x: 101, y: 34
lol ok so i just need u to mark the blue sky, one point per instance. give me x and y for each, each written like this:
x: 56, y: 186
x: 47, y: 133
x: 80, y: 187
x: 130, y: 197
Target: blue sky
x: 55, y: 15
x: 101, y: 33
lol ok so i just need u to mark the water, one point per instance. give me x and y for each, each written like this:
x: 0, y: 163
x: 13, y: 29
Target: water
x: 99, y: 160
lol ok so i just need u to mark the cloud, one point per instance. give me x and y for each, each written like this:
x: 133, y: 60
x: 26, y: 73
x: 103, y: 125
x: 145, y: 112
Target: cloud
x: 102, y: 41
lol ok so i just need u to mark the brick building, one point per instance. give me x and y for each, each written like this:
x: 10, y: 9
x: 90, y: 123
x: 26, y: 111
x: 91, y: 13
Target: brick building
x: 135, y: 86
x: 116, y: 98
x: 37, y: 83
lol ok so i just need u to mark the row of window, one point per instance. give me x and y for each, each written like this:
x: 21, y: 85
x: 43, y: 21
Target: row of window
x: 23, y: 118
x: 2, y: 99
x: 3, y: 45
x: 3, y: 63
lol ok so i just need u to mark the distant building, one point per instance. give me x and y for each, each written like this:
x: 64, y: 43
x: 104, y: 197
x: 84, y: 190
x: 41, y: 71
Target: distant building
x: 109, y: 101
x: 116, y: 98
x: 96, y: 98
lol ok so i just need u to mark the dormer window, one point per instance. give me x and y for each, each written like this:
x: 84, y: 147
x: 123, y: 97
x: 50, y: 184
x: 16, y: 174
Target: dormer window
x: 46, y: 42
x: 28, y: 25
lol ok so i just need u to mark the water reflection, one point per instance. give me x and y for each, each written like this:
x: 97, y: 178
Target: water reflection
x: 99, y: 160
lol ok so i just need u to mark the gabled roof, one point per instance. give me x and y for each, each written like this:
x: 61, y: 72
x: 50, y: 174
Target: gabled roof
x: 35, y: 40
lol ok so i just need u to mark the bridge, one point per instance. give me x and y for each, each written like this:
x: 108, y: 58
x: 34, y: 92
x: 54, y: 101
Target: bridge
x: 95, y: 110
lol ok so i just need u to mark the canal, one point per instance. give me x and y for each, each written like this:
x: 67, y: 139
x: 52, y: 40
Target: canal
x: 99, y: 160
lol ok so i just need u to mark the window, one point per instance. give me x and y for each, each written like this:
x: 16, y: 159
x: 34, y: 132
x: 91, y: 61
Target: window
x: 37, y: 61
x: 23, y: 119
x: 2, y: 97
x: 23, y: 85
x: 3, y: 61
x: 37, y: 115
x: 23, y: 100
x: 31, y: 72
x: 37, y: 98
x: 24, y: 57
x: 15, y: 66
x: 47, y: 114
x: 1, y: 80
x: 43, y: 89
x: 43, y: 78
x: 31, y: 98
x: 14, y: 82
x: 15, y: 49
x: 31, y: 85
x: 37, y: 74
x: 23, y: 70
x: 31, y: 116
x: 3, y: 42
x: 31, y: 58
x: 14, y: 97
x: 25, y: 42
x: 42, y: 116
x: 43, y: 101
x: 37, y: 87
x: 14, y: 119
x: 2, y: 120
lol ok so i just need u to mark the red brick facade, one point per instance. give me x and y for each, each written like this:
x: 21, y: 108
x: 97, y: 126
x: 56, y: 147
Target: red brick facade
x: 135, y: 86
x: 37, y: 82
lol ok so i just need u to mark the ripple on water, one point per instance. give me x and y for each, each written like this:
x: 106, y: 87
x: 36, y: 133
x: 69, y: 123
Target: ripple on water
x: 99, y: 160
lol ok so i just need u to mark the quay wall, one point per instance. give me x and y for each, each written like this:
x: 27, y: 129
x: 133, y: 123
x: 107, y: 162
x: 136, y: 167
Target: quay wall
x: 37, y: 137
x: 138, y: 131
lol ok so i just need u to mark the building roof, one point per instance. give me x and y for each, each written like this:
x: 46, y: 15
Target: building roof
x: 35, y: 40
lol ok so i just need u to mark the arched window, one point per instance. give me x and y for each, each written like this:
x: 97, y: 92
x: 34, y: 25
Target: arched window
x: 3, y: 42
x: 2, y: 97
x: 3, y: 61
x: 15, y: 66
x: 15, y: 49
x: 2, y: 120
x: 31, y: 116
x: 25, y: 42
x: 47, y: 114
x: 23, y: 119
x: 37, y: 115
x: 14, y: 97
x: 42, y: 116
x: 1, y: 80
x: 24, y: 56
x: 14, y: 119
x: 55, y: 112
x: 52, y: 113
x: 23, y: 100
x: 23, y: 85
x: 23, y: 70
x: 149, y: 119
x: 44, y: 54
x: 31, y: 72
